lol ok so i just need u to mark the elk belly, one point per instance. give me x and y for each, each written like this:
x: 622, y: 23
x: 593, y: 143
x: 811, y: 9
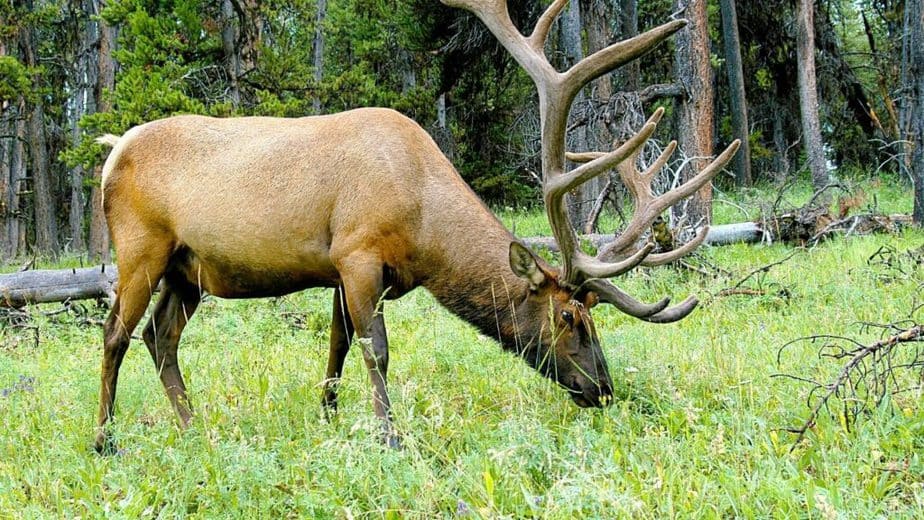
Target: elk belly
x: 243, y: 277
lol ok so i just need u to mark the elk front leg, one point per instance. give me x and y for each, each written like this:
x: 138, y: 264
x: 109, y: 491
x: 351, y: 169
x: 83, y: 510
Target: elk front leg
x: 363, y: 287
x: 341, y: 333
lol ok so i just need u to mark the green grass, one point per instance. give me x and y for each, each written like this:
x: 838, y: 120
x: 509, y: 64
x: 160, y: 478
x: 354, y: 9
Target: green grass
x: 693, y: 432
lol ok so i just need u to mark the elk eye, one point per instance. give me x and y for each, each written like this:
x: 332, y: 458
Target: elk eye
x: 568, y: 317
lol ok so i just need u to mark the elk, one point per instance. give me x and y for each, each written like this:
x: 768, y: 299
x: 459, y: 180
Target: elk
x: 365, y: 203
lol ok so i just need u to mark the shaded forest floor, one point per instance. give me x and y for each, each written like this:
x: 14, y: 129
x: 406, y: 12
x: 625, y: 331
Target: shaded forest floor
x: 695, y: 429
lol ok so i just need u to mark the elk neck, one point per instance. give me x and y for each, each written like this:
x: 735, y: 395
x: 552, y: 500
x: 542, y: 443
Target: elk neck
x: 471, y: 277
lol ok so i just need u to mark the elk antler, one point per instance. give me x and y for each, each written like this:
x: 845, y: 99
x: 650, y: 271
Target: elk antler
x: 557, y: 91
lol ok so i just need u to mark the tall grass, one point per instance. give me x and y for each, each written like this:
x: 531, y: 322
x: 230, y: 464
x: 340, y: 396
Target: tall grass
x: 694, y: 432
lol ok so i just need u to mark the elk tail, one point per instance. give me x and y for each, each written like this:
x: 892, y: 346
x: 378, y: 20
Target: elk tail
x: 108, y: 140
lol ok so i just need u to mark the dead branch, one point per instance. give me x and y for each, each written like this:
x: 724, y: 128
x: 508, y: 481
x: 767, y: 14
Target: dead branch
x: 866, y: 379
x: 765, y: 268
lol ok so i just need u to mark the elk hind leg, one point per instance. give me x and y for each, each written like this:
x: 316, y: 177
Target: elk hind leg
x: 341, y: 334
x: 138, y: 276
x: 176, y: 305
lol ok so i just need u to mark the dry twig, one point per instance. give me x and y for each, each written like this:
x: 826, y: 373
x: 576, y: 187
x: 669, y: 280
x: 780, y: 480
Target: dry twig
x: 870, y: 374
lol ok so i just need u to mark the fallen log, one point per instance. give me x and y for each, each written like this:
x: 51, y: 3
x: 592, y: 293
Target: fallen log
x: 57, y: 285
x: 799, y: 227
x: 718, y: 235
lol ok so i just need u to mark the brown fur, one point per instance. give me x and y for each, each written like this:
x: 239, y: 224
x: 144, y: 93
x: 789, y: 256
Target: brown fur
x: 361, y: 200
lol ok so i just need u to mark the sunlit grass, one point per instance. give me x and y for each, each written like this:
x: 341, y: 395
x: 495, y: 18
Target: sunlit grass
x: 694, y: 431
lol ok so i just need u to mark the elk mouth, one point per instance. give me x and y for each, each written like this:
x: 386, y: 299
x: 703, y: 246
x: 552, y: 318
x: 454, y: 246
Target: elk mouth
x: 592, y: 397
x: 583, y: 402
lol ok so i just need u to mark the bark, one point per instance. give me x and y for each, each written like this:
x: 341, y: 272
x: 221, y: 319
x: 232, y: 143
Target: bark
x: 737, y: 99
x: 43, y: 286
x: 15, y: 229
x: 596, y: 24
x: 580, y: 200
x: 319, y: 50
x: 696, y: 112
x: 83, y: 102
x: 6, y: 149
x: 781, y: 157
x: 43, y: 199
x: 98, y: 247
x: 250, y: 32
x: 627, y: 28
x: 241, y: 37
x: 808, y: 95
x: 913, y: 99
x: 232, y: 59
x: 46, y: 226
x: 891, y: 131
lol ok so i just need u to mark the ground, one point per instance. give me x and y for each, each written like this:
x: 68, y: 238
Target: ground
x: 696, y: 429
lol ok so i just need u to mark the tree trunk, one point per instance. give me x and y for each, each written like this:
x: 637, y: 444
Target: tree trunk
x: 98, y: 248
x: 580, y: 200
x: 628, y: 28
x: 241, y: 36
x: 15, y: 229
x: 6, y: 160
x: 737, y: 99
x: 696, y: 112
x: 46, y: 225
x: 598, y: 136
x: 251, y: 32
x: 781, y: 157
x: 808, y: 96
x: 43, y: 199
x: 232, y: 59
x: 319, y: 51
x: 6, y: 150
x: 82, y: 102
x: 913, y: 99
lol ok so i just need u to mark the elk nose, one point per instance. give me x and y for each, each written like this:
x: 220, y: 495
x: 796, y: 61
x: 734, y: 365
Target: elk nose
x: 606, y: 394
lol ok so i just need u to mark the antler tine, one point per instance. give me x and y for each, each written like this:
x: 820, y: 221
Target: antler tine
x: 575, y: 265
x: 618, y: 54
x: 680, y: 252
x: 647, y: 207
x: 611, y: 294
x: 600, y: 165
x: 650, y: 312
x: 675, y: 313
x: 593, y: 268
x: 541, y: 31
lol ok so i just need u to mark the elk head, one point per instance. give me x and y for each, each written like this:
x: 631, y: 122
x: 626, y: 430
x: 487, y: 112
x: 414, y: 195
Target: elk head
x: 561, y: 341
x: 568, y: 349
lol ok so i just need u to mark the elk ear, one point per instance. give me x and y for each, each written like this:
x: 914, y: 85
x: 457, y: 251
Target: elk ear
x: 524, y: 264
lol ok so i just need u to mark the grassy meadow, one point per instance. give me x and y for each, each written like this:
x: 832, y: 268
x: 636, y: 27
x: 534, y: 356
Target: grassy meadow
x: 695, y: 431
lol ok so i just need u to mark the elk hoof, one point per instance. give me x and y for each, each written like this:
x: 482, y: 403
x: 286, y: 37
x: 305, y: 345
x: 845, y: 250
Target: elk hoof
x: 105, y: 445
x: 393, y: 441
x: 329, y: 406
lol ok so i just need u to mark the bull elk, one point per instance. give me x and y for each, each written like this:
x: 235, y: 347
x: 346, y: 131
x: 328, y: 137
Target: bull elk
x: 364, y: 202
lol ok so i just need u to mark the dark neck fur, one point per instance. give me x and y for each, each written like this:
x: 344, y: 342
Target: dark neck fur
x: 493, y: 304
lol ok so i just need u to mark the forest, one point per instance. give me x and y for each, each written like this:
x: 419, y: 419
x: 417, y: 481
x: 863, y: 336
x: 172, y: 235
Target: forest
x: 72, y: 71
x: 788, y: 213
